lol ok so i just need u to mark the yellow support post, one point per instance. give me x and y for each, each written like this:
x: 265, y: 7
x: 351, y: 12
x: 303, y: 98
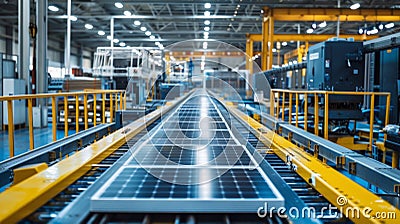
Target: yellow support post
x: 10, y: 128
x: 111, y: 108
x: 371, y: 121
x: 66, y: 116
x: 94, y: 109
x: 305, y: 111
x: 326, y: 113
x: 116, y: 101
x: 277, y: 105
x: 125, y: 101
x: 85, y: 110
x: 77, y: 113
x: 316, y: 115
x: 54, y: 117
x: 306, y: 48
x: 270, y: 40
x: 264, y: 39
x: 387, y: 113
x: 290, y: 107
x: 120, y: 101
x: 249, y: 65
x: 395, y: 159
x: 272, y: 103
x: 30, y: 124
x: 297, y: 109
x: 283, y: 106
x: 104, y: 107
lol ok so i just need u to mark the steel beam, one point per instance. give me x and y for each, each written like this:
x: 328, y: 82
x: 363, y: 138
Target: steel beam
x: 310, y: 37
x: 68, y: 41
x: 41, y: 62
x: 332, y: 14
x: 23, y: 42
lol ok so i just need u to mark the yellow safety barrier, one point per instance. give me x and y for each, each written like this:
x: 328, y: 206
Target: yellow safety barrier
x: 276, y: 93
x: 30, y: 98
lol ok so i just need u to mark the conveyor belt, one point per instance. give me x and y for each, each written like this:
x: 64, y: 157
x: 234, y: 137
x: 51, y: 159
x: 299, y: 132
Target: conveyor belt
x: 193, y: 162
x: 240, y: 174
x: 73, y: 213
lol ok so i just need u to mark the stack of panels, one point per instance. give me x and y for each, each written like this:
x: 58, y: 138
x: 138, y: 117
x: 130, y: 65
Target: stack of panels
x: 191, y: 163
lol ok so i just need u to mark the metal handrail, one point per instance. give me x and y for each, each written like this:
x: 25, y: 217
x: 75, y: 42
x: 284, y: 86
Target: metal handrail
x: 274, y: 110
x: 114, y: 94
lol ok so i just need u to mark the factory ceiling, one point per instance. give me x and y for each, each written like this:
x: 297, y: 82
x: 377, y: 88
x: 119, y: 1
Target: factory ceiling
x: 144, y: 22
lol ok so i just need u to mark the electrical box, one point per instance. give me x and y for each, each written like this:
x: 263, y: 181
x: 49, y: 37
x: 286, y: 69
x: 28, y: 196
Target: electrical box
x: 337, y: 65
x: 14, y: 87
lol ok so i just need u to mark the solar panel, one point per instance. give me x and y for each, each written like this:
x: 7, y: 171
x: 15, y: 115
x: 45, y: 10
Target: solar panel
x: 192, y: 162
x: 135, y: 189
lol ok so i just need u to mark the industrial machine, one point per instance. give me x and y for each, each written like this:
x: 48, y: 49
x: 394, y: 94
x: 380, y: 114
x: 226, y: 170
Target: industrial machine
x: 337, y: 65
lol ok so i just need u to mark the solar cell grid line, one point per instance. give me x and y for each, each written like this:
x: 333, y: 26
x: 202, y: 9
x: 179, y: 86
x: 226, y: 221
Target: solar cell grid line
x: 189, y: 169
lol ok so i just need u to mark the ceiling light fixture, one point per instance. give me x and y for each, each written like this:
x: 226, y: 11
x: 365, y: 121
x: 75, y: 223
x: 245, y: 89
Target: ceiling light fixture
x: 389, y: 25
x: 360, y: 31
x: 205, y: 45
x: 119, y: 5
x: 53, y: 8
x: 101, y: 33
x: 380, y: 26
x: 137, y: 23
x: 143, y: 28
x: 88, y: 26
x: 322, y: 25
x: 116, y: 41
x: 207, y: 22
x: 108, y: 37
x: 314, y: 25
x: 127, y: 13
x: 309, y: 30
x: 122, y: 44
x: 207, y: 13
x: 73, y: 18
x: 152, y: 37
x: 355, y: 6
x: 207, y: 5
x: 284, y: 43
x: 374, y: 31
x: 207, y: 28
x: 148, y: 33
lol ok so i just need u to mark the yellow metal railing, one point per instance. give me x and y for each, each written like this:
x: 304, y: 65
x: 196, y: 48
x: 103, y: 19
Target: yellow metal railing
x: 276, y: 94
x: 114, y: 95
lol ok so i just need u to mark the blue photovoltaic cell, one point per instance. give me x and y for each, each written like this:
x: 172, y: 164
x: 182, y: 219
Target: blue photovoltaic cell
x: 233, y: 184
x: 209, y: 169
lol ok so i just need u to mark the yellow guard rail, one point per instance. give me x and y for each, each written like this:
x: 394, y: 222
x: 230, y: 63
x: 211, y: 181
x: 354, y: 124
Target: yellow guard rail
x: 277, y: 93
x: 119, y: 96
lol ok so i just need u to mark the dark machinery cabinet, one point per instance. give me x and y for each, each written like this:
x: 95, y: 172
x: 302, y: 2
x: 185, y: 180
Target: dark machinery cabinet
x: 337, y: 66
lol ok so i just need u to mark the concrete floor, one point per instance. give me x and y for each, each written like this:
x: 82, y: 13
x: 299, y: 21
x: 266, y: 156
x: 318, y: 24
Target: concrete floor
x: 43, y: 136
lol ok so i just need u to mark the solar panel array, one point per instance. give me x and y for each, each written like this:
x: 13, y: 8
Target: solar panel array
x: 192, y: 162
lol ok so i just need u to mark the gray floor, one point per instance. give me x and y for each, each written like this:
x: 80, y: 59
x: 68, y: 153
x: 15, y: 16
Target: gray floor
x: 43, y: 136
